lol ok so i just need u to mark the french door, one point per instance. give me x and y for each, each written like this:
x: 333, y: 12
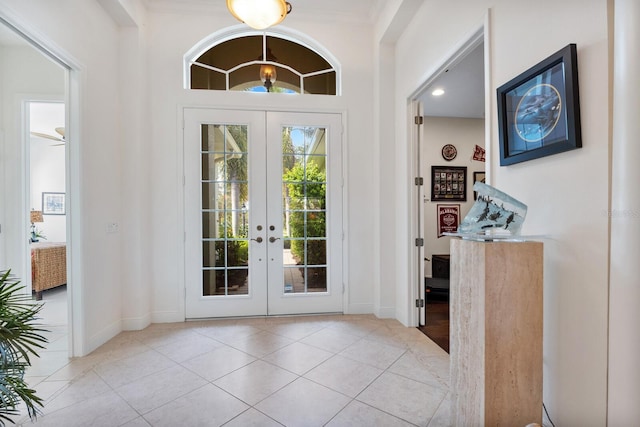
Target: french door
x: 263, y: 213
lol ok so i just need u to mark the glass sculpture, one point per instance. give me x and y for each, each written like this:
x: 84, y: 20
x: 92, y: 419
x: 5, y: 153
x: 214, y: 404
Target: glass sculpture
x: 493, y: 214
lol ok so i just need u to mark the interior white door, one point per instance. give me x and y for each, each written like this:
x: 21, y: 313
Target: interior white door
x: 263, y: 213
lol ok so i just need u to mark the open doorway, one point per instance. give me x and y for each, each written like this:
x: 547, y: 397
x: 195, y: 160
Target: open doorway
x: 451, y: 158
x: 33, y: 242
x: 46, y: 197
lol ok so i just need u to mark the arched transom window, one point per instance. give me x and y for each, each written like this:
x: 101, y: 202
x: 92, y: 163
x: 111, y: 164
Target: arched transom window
x: 261, y: 63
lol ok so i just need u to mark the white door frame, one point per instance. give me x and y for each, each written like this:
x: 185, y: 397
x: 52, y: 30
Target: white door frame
x: 418, y: 197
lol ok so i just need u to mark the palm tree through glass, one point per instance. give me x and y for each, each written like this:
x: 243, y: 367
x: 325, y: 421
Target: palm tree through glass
x: 225, y: 210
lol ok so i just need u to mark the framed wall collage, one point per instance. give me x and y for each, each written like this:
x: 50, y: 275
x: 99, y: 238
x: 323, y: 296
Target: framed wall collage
x: 448, y: 183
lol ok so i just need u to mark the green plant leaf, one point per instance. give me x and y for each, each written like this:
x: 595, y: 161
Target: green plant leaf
x: 20, y: 337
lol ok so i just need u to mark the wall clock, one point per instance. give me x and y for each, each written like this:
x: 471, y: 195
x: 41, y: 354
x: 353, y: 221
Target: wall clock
x: 449, y: 152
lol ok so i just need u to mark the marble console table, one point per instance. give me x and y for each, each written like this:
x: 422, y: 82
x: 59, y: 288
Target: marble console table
x: 496, y: 333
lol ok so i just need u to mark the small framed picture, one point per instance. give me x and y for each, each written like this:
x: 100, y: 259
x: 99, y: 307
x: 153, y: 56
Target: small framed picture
x: 53, y: 204
x: 478, y: 177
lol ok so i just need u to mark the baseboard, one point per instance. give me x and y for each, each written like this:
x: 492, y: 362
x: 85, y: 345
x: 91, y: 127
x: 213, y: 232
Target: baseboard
x: 386, y: 312
x: 380, y: 312
x: 136, y: 323
x: 359, y: 309
x: 103, y: 336
x: 167, y: 317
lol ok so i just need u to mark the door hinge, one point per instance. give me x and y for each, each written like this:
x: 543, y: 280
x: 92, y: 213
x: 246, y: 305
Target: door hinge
x: 419, y: 120
x: 419, y: 241
x: 419, y: 180
x: 419, y: 303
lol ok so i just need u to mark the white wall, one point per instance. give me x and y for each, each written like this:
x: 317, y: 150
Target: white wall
x: 136, y: 179
x: 624, y: 342
x: 566, y: 193
x: 47, y: 167
x: 384, y: 213
x: 464, y: 134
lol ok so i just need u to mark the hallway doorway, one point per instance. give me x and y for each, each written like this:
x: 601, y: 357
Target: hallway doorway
x: 451, y: 131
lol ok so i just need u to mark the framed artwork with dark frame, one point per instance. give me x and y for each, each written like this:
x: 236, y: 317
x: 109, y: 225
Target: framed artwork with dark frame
x: 53, y: 204
x: 478, y: 176
x: 448, y: 183
x: 539, y: 110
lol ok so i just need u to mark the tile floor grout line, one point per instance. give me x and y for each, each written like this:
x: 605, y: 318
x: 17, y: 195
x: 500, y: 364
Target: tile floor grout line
x: 358, y: 327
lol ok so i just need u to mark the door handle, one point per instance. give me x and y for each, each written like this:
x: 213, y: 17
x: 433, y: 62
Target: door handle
x: 273, y: 239
x: 258, y: 239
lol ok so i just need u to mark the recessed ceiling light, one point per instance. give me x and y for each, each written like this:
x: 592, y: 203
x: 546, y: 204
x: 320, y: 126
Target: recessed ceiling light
x: 438, y: 92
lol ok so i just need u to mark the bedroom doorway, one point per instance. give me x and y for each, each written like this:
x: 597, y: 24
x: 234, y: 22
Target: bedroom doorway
x: 35, y: 170
x: 46, y: 190
x: 46, y: 201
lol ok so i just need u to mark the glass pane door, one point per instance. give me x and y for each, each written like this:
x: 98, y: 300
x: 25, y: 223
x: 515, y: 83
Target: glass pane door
x: 305, y: 246
x: 263, y: 213
x: 225, y: 202
x: 224, y: 211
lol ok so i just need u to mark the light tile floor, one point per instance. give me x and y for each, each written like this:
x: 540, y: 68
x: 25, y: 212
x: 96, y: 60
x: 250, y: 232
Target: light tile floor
x: 339, y: 370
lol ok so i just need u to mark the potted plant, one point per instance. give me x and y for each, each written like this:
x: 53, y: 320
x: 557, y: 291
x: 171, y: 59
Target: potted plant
x: 20, y: 338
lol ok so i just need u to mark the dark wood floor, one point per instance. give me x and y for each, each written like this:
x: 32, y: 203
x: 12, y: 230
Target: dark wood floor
x: 437, y: 320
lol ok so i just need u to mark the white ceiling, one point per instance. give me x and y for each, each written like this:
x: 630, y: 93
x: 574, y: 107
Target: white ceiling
x: 350, y: 10
x: 463, y: 84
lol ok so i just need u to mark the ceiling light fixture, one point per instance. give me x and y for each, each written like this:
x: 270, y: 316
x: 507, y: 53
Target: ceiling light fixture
x: 259, y: 14
x: 438, y: 92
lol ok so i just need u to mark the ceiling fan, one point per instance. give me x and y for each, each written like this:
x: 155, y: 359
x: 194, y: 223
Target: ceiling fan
x: 60, y: 138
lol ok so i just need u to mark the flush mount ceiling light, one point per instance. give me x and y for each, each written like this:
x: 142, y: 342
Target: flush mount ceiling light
x: 438, y: 92
x: 259, y: 14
